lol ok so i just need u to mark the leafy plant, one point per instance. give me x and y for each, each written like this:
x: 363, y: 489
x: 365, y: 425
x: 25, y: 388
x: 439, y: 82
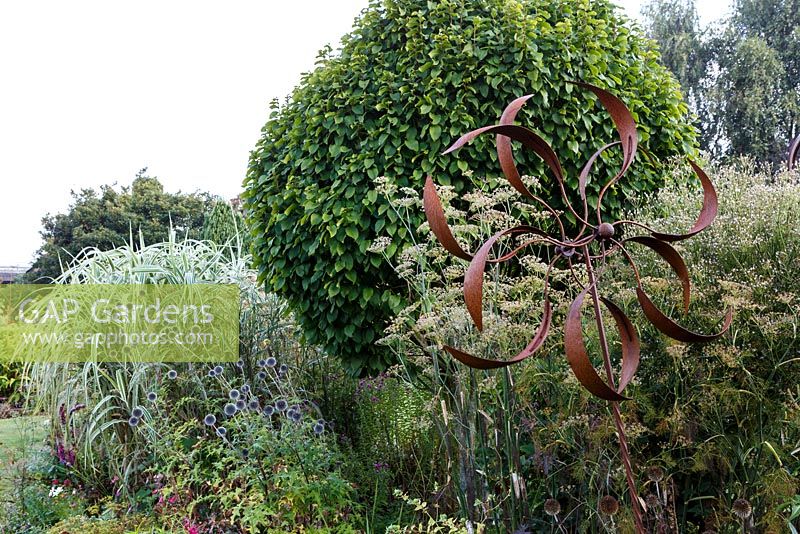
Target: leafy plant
x: 224, y: 225
x: 411, y: 77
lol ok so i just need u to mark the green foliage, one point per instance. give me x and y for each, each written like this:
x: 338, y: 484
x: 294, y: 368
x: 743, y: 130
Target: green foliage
x: 10, y: 381
x: 125, y: 524
x: 742, y: 76
x: 108, y: 219
x: 409, y: 80
x: 224, y: 225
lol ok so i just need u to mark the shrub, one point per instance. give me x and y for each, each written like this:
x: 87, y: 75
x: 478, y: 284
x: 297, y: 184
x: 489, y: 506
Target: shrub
x: 224, y: 225
x: 410, y: 79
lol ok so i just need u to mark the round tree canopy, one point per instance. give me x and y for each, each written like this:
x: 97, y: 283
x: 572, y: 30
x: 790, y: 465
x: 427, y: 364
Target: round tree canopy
x: 411, y: 77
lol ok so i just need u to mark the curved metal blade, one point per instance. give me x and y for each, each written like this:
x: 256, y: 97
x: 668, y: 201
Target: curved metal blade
x: 530, y: 139
x: 473, y: 279
x: 588, y: 167
x: 707, y: 214
x: 630, y: 344
x: 537, y: 341
x: 671, y: 256
x: 623, y: 121
x: 438, y: 222
x: 504, y: 153
x: 578, y: 358
x: 670, y: 328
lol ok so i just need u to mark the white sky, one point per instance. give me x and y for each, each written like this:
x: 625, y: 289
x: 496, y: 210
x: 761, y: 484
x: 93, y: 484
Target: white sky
x: 92, y: 91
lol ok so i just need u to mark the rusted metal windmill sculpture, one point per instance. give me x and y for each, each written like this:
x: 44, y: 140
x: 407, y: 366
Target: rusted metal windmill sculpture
x: 592, y: 243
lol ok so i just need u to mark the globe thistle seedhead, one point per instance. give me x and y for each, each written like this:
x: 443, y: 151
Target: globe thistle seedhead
x: 222, y: 431
x: 268, y: 411
x: 233, y: 394
x: 218, y: 370
x: 212, y: 373
x: 552, y: 507
x: 240, y: 364
x: 655, y: 473
x: 281, y: 405
x: 742, y: 508
x: 319, y: 429
x: 210, y: 420
x: 137, y: 412
x: 262, y: 363
x: 152, y: 396
x: 241, y: 404
x: 229, y: 409
x: 296, y: 416
x: 133, y: 421
x: 609, y: 505
x: 283, y: 369
x: 253, y: 405
x: 271, y: 362
x: 172, y: 374
x: 262, y: 375
x: 245, y: 389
